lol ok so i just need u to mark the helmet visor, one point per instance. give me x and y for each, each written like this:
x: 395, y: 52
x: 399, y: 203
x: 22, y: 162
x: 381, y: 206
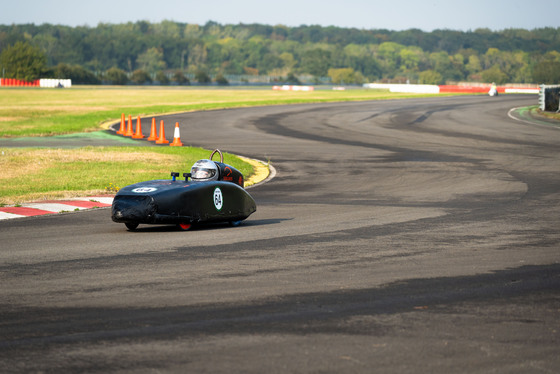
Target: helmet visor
x: 202, y: 173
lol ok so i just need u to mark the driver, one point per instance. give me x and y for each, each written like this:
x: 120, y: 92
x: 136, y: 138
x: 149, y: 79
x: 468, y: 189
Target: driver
x: 204, y: 170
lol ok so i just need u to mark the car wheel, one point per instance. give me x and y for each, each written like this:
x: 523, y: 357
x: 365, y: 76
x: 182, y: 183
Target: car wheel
x: 131, y: 226
x: 184, y: 226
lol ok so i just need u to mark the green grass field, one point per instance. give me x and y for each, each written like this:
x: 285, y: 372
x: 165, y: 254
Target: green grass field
x: 47, y: 112
x: 39, y: 173
x: 28, y: 174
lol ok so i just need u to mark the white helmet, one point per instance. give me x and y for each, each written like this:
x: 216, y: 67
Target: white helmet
x: 204, y: 170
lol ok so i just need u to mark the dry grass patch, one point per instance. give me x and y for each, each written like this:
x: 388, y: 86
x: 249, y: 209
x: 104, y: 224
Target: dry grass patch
x: 19, y: 162
x: 39, y: 173
x: 10, y: 119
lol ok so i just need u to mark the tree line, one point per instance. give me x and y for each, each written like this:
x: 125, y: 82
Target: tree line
x: 141, y: 52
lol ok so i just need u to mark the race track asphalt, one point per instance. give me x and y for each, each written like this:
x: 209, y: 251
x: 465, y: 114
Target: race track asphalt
x: 398, y: 236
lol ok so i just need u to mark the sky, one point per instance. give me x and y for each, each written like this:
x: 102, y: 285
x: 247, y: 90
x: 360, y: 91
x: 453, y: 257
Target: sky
x: 427, y: 15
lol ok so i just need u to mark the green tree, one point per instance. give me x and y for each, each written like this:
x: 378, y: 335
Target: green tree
x: 197, y: 55
x: 389, y: 54
x: 140, y: 76
x: 168, y: 29
x: 316, y: 62
x: 162, y: 78
x: 180, y: 78
x: 430, y: 77
x: 473, y: 66
x: 116, y: 76
x: 202, y: 77
x: 292, y: 79
x: 345, y: 76
x: 491, y: 57
x: 77, y: 73
x: 521, y: 68
x: 446, y: 65
x: 221, y: 80
x: 288, y: 60
x: 390, y: 51
x: 192, y: 31
x: 410, y: 58
x: 547, y: 72
x: 151, y: 60
x: 552, y: 56
x: 494, y: 74
x: 23, y: 61
x: 269, y: 62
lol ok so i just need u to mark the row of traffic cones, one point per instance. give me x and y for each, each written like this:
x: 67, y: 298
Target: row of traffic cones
x: 126, y: 130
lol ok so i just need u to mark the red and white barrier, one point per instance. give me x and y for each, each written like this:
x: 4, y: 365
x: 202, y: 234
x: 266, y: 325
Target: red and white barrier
x: 48, y: 83
x: 12, y: 82
x: 54, y: 206
x: 293, y: 88
x: 460, y: 88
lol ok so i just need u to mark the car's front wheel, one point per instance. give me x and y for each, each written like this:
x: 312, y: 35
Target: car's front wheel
x: 131, y: 226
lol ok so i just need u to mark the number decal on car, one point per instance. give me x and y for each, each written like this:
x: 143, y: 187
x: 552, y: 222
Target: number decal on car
x: 218, y: 198
x: 144, y: 189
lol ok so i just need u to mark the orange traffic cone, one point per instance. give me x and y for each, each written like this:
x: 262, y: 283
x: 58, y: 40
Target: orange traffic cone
x: 138, y: 134
x: 153, y: 134
x: 123, y: 125
x: 161, y: 138
x: 128, y: 131
x: 176, y: 137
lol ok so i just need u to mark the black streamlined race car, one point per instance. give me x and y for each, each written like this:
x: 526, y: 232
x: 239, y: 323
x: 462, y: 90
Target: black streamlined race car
x: 211, y: 192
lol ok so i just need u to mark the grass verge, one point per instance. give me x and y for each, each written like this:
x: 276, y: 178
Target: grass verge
x: 37, y: 173
x: 551, y: 115
x: 46, y: 112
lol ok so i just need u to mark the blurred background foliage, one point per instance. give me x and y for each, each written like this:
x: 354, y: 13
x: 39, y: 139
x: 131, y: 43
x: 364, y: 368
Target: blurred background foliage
x: 180, y: 53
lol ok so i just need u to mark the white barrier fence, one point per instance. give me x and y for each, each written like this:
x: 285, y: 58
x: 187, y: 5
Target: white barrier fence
x: 452, y: 88
x: 55, y: 83
x: 522, y: 90
x: 404, y: 88
x: 293, y: 88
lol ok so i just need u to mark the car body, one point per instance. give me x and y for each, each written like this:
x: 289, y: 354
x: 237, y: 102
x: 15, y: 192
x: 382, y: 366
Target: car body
x: 185, y: 202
